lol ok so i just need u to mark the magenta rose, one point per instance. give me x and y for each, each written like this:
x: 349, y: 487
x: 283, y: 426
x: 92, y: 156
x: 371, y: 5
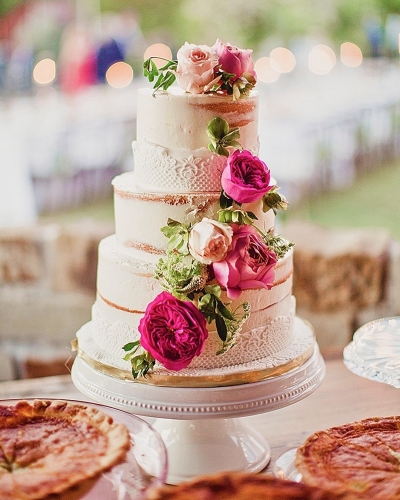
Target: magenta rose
x: 248, y: 264
x: 234, y: 60
x: 173, y: 331
x: 245, y: 178
x: 195, y: 70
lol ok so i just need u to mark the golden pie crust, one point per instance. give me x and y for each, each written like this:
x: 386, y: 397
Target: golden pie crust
x: 48, y: 446
x: 241, y: 486
x: 360, y: 457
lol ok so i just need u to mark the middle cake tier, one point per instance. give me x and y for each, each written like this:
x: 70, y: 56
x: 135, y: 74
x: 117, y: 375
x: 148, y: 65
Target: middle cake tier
x: 139, y: 216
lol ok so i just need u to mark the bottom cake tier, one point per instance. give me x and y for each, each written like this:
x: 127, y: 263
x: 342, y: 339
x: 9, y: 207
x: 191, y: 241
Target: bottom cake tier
x: 278, y: 363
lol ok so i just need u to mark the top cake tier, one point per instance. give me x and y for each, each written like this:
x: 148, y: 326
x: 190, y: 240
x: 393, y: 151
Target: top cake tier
x: 171, y: 151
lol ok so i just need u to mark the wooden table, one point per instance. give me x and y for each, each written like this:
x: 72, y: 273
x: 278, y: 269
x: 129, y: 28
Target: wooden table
x: 342, y: 397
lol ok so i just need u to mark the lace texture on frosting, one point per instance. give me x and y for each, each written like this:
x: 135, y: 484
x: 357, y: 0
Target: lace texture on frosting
x: 112, y: 336
x: 156, y: 168
x: 254, y: 344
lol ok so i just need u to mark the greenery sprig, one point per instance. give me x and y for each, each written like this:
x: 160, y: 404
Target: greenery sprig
x: 232, y: 215
x: 141, y: 361
x: 186, y: 278
x: 274, y: 200
x: 278, y: 243
x: 164, y: 77
x: 230, y: 212
x: 240, y: 87
x: 222, y: 137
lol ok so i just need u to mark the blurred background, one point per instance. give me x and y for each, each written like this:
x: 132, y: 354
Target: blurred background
x: 329, y: 83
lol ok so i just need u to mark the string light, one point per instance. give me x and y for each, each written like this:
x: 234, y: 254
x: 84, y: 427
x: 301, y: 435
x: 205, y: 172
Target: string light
x: 350, y: 54
x: 282, y: 60
x: 265, y: 72
x: 119, y: 75
x: 321, y: 59
x: 158, y: 50
x: 44, y: 71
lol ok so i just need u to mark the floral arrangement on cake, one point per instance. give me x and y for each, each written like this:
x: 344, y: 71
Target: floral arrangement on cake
x: 199, y: 69
x: 205, y: 256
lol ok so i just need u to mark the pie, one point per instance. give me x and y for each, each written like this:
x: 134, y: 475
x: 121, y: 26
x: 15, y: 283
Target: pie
x: 241, y: 486
x: 48, y: 446
x: 361, y: 457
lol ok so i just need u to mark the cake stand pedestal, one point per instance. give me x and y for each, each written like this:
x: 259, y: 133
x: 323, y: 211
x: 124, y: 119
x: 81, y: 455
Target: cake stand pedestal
x: 201, y: 427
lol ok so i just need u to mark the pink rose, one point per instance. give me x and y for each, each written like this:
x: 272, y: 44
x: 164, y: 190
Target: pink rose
x: 248, y: 264
x: 234, y: 60
x: 209, y: 240
x: 195, y: 71
x: 245, y: 178
x: 173, y: 331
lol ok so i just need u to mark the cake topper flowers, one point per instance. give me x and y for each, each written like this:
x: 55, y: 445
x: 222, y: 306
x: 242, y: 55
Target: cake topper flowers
x: 200, y: 69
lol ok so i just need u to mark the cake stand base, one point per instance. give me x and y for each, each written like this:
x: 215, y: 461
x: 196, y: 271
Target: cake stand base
x: 197, y: 447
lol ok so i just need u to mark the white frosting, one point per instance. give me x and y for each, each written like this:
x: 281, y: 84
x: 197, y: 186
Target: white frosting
x: 171, y: 149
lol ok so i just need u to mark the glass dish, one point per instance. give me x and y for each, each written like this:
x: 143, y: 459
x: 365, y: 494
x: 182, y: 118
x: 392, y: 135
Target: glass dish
x: 284, y: 467
x: 374, y: 352
x: 146, y: 463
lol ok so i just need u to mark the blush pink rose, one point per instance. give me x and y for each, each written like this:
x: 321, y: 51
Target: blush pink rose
x: 195, y: 70
x: 234, y: 60
x: 209, y: 240
x: 245, y: 178
x: 173, y: 331
x: 248, y: 264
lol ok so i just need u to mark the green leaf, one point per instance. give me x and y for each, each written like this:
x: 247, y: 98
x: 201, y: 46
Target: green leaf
x: 224, y: 200
x: 222, y: 137
x: 220, y: 150
x: 207, y: 305
x: 274, y: 200
x: 224, y: 311
x: 221, y: 328
x: 131, y: 345
x: 235, y: 145
x: 213, y: 290
x: 217, y: 128
x: 232, y: 135
x: 165, y: 75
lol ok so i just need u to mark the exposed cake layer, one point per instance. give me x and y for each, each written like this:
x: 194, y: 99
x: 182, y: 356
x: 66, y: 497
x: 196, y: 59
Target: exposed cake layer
x: 139, y: 215
x: 126, y: 286
x: 171, y: 149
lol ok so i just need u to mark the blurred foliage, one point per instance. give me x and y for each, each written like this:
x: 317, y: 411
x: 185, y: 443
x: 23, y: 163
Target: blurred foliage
x: 256, y: 23
x: 6, y: 5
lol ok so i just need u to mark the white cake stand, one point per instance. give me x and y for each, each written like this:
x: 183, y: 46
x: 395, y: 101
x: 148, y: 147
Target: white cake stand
x: 201, y: 427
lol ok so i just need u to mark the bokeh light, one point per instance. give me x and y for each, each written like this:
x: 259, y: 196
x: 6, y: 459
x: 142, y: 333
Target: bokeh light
x: 265, y: 72
x: 44, y: 71
x: 158, y: 50
x: 282, y: 60
x: 321, y: 59
x: 350, y: 54
x: 119, y: 75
